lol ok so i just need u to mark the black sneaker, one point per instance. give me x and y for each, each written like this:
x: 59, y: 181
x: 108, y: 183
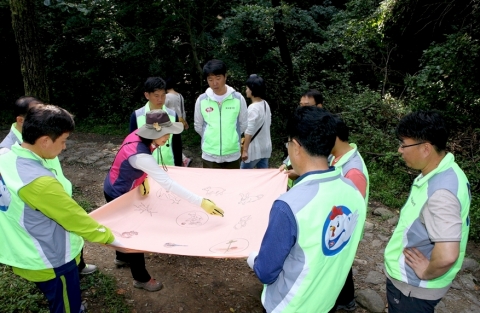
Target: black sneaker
x: 347, y: 307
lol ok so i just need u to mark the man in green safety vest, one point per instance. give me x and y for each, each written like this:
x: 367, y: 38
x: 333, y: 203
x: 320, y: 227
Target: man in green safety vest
x: 43, y: 227
x: 428, y: 245
x: 22, y: 105
x: 221, y: 116
x: 314, y: 229
x: 155, y: 92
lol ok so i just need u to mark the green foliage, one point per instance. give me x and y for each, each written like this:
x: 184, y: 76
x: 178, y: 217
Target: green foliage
x: 18, y: 294
x: 449, y: 80
x: 101, y: 290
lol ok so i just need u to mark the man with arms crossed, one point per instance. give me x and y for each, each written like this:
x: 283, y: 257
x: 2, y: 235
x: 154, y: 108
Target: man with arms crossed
x: 428, y: 245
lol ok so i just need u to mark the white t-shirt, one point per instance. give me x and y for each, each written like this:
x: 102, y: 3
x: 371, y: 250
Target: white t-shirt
x: 261, y: 147
x: 175, y: 102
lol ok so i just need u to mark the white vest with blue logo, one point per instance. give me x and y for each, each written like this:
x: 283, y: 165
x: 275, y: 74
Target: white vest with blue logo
x: 330, y: 213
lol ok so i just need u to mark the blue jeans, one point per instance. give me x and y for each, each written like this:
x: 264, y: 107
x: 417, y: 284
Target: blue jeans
x: 259, y: 163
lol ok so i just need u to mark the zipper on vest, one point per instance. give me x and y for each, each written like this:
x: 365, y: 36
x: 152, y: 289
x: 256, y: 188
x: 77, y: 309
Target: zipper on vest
x: 220, y: 109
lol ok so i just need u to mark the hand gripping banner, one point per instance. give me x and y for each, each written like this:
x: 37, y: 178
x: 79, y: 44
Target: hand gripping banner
x: 162, y: 222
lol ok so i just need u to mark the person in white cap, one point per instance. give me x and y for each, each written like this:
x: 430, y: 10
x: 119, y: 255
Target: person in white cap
x: 132, y: 164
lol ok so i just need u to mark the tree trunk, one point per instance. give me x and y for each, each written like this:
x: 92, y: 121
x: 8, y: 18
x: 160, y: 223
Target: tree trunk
x: 29, y: 49
x: 282, y: 39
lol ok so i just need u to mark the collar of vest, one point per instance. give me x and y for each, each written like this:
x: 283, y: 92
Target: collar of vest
x: 446, y: 163
x: 314, y: 174
x: 16, y: 132
x: 346, y: 157
x: 26, y: 153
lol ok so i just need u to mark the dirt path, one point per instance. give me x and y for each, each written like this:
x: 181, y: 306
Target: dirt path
x: 193, y: 284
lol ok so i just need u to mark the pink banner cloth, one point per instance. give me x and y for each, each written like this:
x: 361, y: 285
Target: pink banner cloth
x: 165, y: 223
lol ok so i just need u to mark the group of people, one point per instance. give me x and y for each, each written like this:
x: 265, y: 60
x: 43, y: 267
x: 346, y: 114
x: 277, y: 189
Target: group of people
x: 306, y: 256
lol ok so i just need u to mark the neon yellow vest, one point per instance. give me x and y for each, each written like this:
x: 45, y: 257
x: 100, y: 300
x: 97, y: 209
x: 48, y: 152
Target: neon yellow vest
x: 167, y: 152
x: 221, y: 136
x: 30, y: 233
x: 410, y: 232
x: 325, y: 206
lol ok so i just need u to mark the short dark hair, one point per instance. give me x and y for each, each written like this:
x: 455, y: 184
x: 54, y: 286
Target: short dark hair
x: 315, y: 94
x: 46, y: 120
x: 342, y: 129
x: 314, y: 129
x: 216, y: 67
x: 170, y: 83
x: 23, y: 103
x: 153, y: 84
x: 257, y: 85
x: 426, y: 126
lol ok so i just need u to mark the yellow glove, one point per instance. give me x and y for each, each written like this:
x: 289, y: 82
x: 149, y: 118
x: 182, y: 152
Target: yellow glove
x: 182, y: 120
x: 211, y: 208
x: 144, y: 187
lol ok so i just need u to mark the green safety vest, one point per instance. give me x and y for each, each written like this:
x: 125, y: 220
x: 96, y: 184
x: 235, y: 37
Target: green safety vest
x: 411, y: 232
x: 29, y: 232
x: 166, y: 152
x: 314, y: 272
x: 52, y: 164
x: 350, y: 160
x: 290, y: 181
x: 221, y: 135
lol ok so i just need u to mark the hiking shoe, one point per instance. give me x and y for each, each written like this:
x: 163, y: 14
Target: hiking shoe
x: 120, y: 263
x: 89, y: 269
x: 151, y: 285
x: 186, y: 162
x: 347, y: 307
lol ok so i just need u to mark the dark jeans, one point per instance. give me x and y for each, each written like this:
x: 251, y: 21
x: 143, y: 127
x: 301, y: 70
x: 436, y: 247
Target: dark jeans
x: 136, y: 260
x: 63, y: 291
x: 399, y: 303
x: 82, y: 264
x: 225, y: 165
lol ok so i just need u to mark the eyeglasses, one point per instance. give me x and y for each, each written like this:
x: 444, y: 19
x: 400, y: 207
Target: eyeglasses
x: 402, y: 146
x: 298, y: 142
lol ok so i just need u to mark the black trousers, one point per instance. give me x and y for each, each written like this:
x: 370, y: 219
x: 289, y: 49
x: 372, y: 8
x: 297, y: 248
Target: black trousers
x: 399, y: 303
x: 347, y: 294
x: 136, y: 260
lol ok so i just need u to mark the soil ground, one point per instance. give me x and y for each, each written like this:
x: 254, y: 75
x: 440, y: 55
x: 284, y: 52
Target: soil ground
x: 193, y: 284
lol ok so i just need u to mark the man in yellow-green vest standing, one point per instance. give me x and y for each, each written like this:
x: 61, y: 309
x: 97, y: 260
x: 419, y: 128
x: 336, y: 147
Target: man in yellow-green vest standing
x: 43, y: 227
x: 155, y: 92
x: 221, y: 116
x: 428, y: 245
x: 22, y: 105
x: 314, y: 229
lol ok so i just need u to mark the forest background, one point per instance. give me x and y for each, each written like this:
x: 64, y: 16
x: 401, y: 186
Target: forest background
x: 374, y: 61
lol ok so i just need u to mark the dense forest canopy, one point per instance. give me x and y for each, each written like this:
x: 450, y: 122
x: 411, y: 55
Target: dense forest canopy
x: 373, y: 61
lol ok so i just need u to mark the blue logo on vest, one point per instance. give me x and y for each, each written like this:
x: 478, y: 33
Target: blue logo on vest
x: 4, y: 196
x: 337, y: 229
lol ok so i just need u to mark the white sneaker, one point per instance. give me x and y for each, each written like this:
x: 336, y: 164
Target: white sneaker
x: 186, y: 162
x: 89, y: 269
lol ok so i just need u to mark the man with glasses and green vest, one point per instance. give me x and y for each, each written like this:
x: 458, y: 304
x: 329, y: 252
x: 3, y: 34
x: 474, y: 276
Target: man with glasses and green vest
x: 428, y: 245
x: 314, y: 229
x: 155, y: 92
x: 221, y: 116
x: 43, y: 227
x: 22, y: 105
